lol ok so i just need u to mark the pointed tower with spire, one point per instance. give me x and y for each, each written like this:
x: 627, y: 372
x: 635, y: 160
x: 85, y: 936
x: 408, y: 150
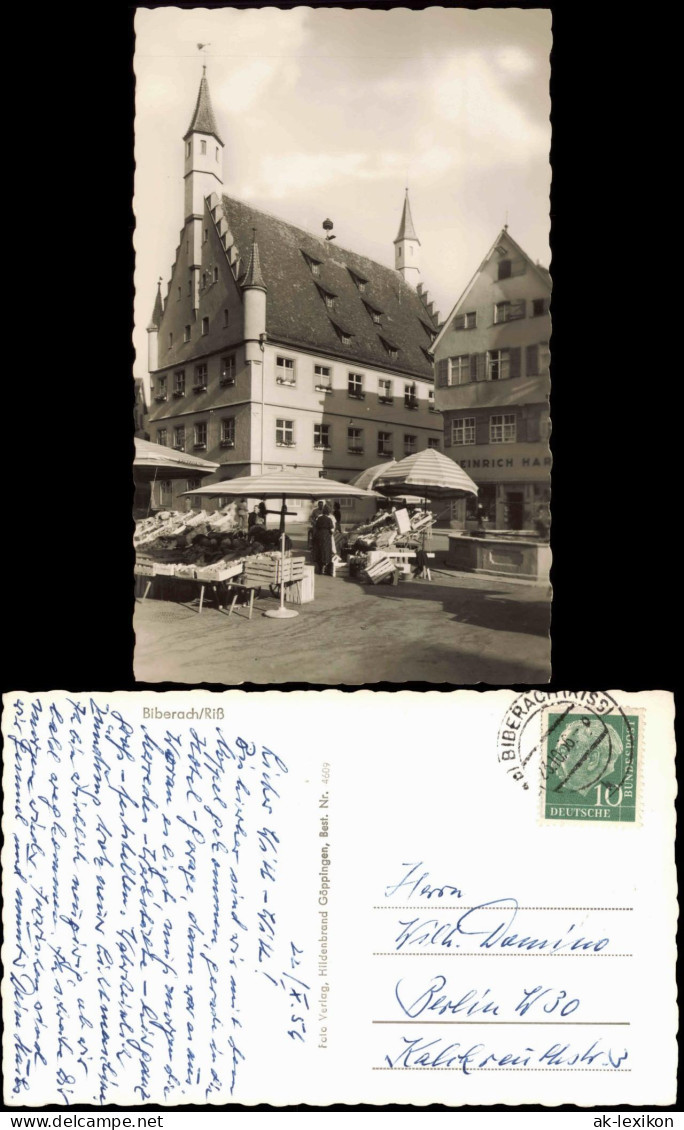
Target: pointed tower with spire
x: 406, y: 245
x: 153, y: 331
x: 203, y: 153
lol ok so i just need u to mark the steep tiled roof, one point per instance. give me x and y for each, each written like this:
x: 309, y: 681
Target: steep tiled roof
x: 203, y: 120
x: 155, y: 320
x: 406, y: 228
x: 297, y: 311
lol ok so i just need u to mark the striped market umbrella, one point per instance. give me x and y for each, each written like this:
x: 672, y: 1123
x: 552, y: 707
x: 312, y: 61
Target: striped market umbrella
x: 427, y: 473
x: 152, y: 459
x: 366, y: 479
x: 282, y: 485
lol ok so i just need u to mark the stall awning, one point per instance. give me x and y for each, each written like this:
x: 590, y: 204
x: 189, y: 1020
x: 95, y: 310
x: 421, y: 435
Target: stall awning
x: 153, y: 460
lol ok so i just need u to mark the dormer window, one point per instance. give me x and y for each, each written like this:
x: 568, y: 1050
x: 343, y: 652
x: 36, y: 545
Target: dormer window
x: 374, y: 315
x: 314, y: 265
x: 359, y: 281
x: 344, y: 335
x: 327, y: 297
x: 203, y: 147
x: 392, y: 350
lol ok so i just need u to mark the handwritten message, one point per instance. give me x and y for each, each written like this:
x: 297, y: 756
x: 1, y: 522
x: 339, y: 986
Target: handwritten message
x: 147, y: 860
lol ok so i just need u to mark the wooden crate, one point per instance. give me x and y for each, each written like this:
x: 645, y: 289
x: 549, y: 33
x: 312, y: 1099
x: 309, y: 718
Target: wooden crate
x: 302, y: 592
x: 230, y: 569
x: 378, y: 570
x: 267, y: 570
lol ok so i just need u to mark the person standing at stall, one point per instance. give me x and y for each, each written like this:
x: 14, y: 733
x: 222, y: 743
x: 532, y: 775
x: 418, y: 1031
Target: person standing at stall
x: 323, y: 544
x: 337, y: 512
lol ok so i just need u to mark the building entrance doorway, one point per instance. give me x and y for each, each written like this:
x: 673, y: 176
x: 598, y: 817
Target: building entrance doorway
x: 514, y: 509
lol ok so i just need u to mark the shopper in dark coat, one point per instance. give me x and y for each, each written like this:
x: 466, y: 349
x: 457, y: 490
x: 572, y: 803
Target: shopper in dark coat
x: 323, y: 543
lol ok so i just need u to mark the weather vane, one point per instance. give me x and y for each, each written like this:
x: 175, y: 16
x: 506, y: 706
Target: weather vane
x: 200, y: 47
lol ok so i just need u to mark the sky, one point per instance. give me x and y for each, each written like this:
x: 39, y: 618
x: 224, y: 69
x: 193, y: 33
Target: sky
x: 327, y: 112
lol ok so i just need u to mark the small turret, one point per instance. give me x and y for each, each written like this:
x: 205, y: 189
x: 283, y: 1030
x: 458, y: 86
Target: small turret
x: 254, y: 300
x: 406, y: 254
x: 153, y: 332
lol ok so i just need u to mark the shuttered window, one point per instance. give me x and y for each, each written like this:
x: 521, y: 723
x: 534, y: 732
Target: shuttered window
x: 537, y: 359
x: 508, y: 311
x: 443, y: 372
x: 478, y: 366
x: 467, y: 321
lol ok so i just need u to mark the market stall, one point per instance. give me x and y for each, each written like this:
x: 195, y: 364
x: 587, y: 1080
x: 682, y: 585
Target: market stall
x: 282, y: 485
x: 432, y: 476
x: 153, y: 462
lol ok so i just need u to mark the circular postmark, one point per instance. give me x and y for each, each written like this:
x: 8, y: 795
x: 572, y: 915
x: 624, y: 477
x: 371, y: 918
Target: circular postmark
x: 574, y: 742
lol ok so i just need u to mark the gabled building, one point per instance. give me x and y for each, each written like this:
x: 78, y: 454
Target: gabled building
x: 492, y: 388
x: 274, y: 347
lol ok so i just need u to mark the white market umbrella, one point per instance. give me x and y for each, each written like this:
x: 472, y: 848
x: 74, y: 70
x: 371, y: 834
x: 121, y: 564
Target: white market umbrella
x: 282, y: 485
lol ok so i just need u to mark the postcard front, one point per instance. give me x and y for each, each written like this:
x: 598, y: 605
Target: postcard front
x: 297, y: 898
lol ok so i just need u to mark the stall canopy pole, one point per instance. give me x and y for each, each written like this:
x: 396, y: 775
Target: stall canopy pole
x: 282, y: 613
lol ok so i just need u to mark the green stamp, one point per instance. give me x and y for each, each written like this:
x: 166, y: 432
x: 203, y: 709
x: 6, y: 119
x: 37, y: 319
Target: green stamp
x: 591, y: 767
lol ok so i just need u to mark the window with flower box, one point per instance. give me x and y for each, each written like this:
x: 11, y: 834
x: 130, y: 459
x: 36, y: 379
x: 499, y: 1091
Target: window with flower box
x: 385, y: 392
x: 179, y: 437
x: 201, y: 377
x: 227, y: 437
x: 410, y: 396
x: 285, y: 371
x: 322, y: 437
x: 285, y: 433
x: 227, y: 376
x: 161, y: 436
x: 179, y: 383
x: 322, y: 378
x: 160, y: 388
x: 385, y: 443
x: 355, y: 441
x: 355, y: 386
x: 200, y: 435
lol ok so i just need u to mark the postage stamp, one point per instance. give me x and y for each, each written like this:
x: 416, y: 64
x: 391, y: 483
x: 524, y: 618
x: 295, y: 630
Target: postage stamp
x: 591, y: 767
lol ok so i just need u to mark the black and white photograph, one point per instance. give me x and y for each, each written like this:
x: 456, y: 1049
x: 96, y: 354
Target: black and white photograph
x: 342, y: 339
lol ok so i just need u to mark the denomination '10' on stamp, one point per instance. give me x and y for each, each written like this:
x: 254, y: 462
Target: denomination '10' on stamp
x: 590, y: 770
